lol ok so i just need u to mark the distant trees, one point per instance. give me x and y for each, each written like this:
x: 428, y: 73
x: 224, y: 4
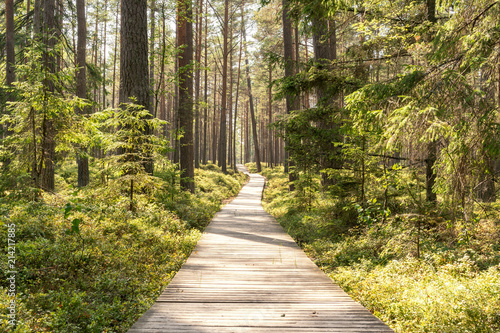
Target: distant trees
x: 401, y: 96
x: 376, y: 72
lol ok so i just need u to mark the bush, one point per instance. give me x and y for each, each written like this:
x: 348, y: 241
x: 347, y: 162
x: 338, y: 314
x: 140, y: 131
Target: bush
x: 100, y: 273
x: 371, y: 251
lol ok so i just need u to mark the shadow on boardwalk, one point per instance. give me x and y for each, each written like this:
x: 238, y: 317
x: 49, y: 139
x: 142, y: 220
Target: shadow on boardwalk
x: 247, y: 275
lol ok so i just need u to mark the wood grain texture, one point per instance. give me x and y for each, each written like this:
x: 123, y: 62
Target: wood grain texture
x: 247, y: 275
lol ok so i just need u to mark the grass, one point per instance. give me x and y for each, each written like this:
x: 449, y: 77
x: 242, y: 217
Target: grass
x: 449, y: 283
x: 103, y: 276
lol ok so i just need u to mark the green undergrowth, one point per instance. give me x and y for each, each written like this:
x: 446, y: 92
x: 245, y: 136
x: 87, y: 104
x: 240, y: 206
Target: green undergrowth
x: 418, y: 272
x: 86, y: 263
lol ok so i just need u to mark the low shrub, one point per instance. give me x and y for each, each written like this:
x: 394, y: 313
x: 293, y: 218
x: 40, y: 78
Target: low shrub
x: 85, y: 263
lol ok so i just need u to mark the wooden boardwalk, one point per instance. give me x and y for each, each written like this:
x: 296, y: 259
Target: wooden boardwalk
x: 247, y: 275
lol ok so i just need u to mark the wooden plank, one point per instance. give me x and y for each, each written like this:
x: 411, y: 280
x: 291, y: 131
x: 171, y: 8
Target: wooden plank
x: 247, y: 275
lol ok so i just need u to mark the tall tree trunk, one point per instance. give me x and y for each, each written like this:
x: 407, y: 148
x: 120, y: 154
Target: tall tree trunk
x: 237, y: 96
x: 104, y: 55
x: 230, y: 99
x: 324, y: 36
x: 247, y: 133
x: 134, y: 76
x: 205, y: 116
x: 37, y: 19
x: 306, y: 95
x: 277, y: 157
x: 152, y: 22
x: 10, y: 75
x: 94, y: 54
x: 289, y: 69
x: 199, y: 15
x: 214, y: 123
x: 430, y: 176
x: 250, y: 97
x: 81, y: 86
x: 113, y: 100
x: 48, y: 130
x: 175, y: 116
x: 185, y: 37
x: 223, y: 134
x: 270, y: 118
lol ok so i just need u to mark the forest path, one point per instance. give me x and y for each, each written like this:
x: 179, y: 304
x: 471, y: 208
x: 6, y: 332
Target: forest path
x: 247, y: 275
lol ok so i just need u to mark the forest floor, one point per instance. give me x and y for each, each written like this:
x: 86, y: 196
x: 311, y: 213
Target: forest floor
x: 430, y: 275
x: 85, y: 263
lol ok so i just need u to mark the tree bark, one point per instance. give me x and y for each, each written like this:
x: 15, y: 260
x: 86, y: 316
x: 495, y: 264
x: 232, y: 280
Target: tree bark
x: 152, y: 22
x: 185, y: 39
x: 430, y: 176
x: 230, y: 100
x: 214, y: 123
x: 237, y: 96
x: 289, y: 70
x: 223, y: 134
x: 270, y: 118
x: 81, y: 86
x: 10, y: 75
x: 134, y: 73
x: 205, y: 116
x: 250, y: 98
x: 48, y: 130
x: 199, y: 14
x: 115, y: 53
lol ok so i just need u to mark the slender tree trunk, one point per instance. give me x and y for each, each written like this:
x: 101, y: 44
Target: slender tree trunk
x: 115, y: 54
x: 10, y: 75
x: 247, y: 133
x: 270, y: 118
x: 430, y: 176
x: 94, y: 54
x: 214, y: 123
x: 81, y: 86
x: 289, y: 69
x: 37, y: 19
x: 237, y: 96
x: 205, y: 116
x: 223, y: 134
x: 48, y: 130
x: 277, y: 157
x: 175, y: 117
x: 199, y: 15
x: 152, y: 22
x: 230, y: 99
x: 185, y: 37
x: 104, y: 55
x: 252, y: 113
